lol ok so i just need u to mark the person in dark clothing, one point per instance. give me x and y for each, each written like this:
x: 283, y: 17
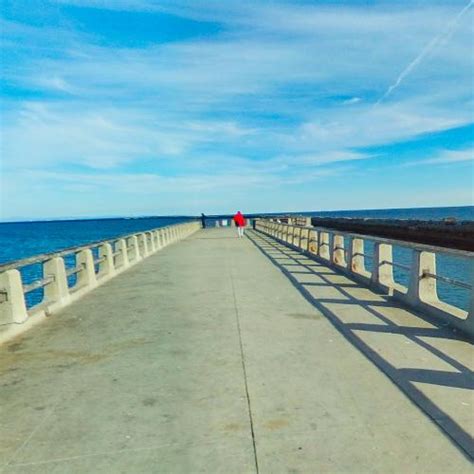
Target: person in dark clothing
x: 203, y: 220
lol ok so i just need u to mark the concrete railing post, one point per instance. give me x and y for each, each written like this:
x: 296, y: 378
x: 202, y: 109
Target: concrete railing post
x: 421, y: 287
x: 313, y: 241
x: 304, y: 238
x: 298, y: 236
x: 135, y: 249
x: 142, y: 245
x: 292, y: 234
x: 338, y: 256
x: 157, y: 239
x: 121, y: 260
x: 382, y: 273
x: 355, y: 260
x: 151, y: 242
x: 106, y: 266
x: 470, y: 314
x: 146, y: 244
x: 86, y: 277
x: 12, y: 298
x: 323, y: 245
x: 57, y: 291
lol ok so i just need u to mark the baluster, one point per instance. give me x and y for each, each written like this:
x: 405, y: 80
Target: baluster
x: 356, y: 260
x: 313, y: 241
x: 323, y: 245
x: 422, y: 288
x: 122, y: 260
x: 135, y: 249
x: 86, y: 277
x: 57, y: 291
x: 338, y: 256
x: 382, y: 274
x: 106, y: 266
x: 12, y: 298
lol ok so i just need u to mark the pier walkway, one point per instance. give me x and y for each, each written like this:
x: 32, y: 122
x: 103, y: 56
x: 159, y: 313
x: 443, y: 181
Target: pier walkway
x: 229, y: 355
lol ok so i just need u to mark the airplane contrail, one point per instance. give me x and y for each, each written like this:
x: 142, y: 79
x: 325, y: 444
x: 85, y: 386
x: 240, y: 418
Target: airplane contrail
x: 445, y: 34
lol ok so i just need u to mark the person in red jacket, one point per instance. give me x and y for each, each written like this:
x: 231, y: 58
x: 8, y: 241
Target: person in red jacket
x: 239, y: 220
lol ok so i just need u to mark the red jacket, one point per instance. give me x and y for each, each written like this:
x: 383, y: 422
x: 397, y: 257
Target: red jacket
x: 239, y: 219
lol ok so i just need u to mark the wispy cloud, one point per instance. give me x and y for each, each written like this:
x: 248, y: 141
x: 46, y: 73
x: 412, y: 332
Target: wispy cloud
x: 447, y: 157
x: 438, y: 39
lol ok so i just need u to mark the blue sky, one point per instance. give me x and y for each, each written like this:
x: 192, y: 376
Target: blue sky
x: 149, y: 107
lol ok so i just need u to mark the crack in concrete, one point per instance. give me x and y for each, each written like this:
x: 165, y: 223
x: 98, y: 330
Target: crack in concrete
x: 242, y: 356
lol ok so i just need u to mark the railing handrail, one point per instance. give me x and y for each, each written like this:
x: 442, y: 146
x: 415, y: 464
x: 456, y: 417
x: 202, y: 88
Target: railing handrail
x: 91, y: 270
x: 384, y: 240
x: 69, y: 250
x: 420, y: 292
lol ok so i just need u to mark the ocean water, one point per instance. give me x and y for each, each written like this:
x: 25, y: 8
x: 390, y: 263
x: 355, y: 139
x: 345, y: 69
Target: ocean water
x: 462, y: 213
x: 460, y: 269
x: 25, y: 239
x: 20, y: 240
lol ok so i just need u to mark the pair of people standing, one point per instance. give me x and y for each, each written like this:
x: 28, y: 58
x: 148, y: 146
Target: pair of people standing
x: 239, y: 221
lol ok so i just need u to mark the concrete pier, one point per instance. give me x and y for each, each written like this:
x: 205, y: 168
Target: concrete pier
x: 229, y: 355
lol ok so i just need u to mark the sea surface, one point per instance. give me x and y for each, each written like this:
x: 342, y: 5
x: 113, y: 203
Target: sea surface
x: 462, y: 213
x: 19, y: 240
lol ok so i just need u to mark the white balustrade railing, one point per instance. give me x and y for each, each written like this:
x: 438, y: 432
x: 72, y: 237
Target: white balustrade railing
x: 346, y: 252
x: 93, y: 265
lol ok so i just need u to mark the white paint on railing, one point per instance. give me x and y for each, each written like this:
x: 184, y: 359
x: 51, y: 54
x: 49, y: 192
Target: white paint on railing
x: 346, y: 252
x: 57, y: 292
x: 13, y: 307
x: 128, y: 251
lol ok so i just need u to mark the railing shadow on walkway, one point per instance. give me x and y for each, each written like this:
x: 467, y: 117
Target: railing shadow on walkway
x: 452, y: 421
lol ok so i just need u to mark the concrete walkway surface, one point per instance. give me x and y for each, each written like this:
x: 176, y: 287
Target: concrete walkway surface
x: 227, y: 355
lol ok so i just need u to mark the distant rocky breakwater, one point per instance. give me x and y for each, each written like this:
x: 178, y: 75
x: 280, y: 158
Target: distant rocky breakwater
x: 448, y: 233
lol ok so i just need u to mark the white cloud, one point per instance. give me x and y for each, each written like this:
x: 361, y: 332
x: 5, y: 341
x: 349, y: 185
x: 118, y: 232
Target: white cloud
x: 282, y: 95
x: 352, y: 100
x: 435, y: 42
x: 447, y: 157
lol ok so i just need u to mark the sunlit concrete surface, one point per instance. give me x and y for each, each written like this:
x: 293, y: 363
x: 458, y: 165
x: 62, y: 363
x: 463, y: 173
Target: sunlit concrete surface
x: 232, y: 355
